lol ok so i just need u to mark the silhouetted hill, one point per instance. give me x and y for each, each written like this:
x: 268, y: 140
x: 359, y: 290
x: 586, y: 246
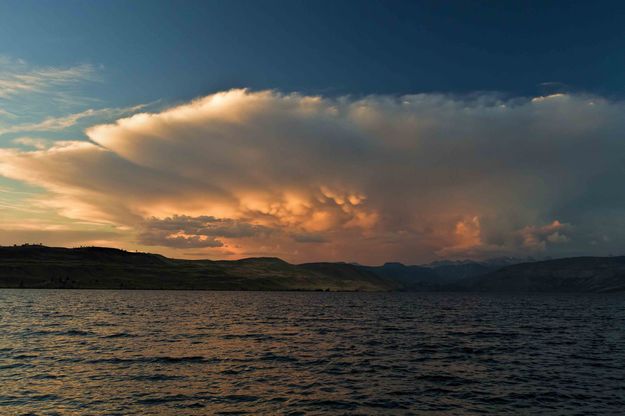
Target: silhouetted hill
x: 32, y: 252
x: 352, y: 275
x: 454, y: 270
x: 34, y: 266
x: 577, y: 274
x: 407, y: 277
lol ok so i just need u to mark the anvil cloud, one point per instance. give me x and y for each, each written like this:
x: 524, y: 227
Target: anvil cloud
x: 380, y: 178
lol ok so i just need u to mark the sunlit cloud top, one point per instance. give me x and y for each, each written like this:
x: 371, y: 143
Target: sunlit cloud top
x: 409, y: 178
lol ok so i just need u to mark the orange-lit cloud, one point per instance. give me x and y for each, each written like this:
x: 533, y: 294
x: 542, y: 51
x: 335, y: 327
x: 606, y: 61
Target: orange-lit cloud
x: 409, y: 178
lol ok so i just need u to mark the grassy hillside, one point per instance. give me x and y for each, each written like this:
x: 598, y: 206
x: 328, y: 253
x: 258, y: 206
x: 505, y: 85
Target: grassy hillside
x: 104, y: 268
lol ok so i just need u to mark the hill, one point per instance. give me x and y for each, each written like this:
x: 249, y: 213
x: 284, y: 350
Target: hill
x: 576, y: 274
x: 409, y: 278
x: 34, y: 266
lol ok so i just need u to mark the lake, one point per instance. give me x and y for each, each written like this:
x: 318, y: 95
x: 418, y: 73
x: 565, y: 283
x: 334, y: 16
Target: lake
x: 196, y: 353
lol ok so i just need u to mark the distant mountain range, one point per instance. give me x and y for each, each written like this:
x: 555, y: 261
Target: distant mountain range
x: 36, y: 266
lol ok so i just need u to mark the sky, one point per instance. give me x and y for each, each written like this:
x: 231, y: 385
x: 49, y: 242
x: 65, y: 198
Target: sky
x: 364, y: 131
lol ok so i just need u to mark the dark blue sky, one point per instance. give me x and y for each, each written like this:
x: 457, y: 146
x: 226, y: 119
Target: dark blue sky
x: 176, y: 50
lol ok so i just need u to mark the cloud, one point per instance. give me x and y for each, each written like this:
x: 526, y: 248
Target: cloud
x: 6, y: 114
x: 537, y: 238
x: 182, y: 231
x: 63, y: 122
x: 35, y: 142
x: 35, y: 98
x: 71, y: 238
x: 18, y: 78
x: 379, y: 178
x: 309, y: 238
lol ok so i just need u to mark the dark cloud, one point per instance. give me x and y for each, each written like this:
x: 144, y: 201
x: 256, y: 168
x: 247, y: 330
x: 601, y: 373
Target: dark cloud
x: 309, y: 238
x: 182, y: 231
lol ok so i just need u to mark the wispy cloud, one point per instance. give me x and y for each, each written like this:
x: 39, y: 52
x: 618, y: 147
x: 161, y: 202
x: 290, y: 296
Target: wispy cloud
x: 18, y: 78
x: 29, y: 92
x: 5, y: 113
x: 34, y: 142
x: 64, y: 122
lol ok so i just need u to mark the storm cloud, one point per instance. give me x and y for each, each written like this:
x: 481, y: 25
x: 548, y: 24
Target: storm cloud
x: 202, y: 231
x: 379, y: 178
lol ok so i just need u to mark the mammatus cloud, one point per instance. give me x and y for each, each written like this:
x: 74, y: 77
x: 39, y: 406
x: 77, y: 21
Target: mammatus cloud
x: 407, y: 178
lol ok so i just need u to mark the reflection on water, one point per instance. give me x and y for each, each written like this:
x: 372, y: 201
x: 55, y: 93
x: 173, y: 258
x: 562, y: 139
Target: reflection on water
x: 187, y: 353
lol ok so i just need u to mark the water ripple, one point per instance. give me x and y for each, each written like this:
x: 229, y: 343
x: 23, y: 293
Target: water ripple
x: 197, y: 353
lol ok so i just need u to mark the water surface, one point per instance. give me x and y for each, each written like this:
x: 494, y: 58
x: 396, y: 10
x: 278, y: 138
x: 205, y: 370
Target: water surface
x: 195, y: 353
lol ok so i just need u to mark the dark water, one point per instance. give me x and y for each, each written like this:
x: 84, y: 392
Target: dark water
x: 196, y: 353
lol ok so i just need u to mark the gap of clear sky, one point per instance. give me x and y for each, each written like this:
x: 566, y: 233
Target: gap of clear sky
x: 418, y: 130
x: 162, y: 49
